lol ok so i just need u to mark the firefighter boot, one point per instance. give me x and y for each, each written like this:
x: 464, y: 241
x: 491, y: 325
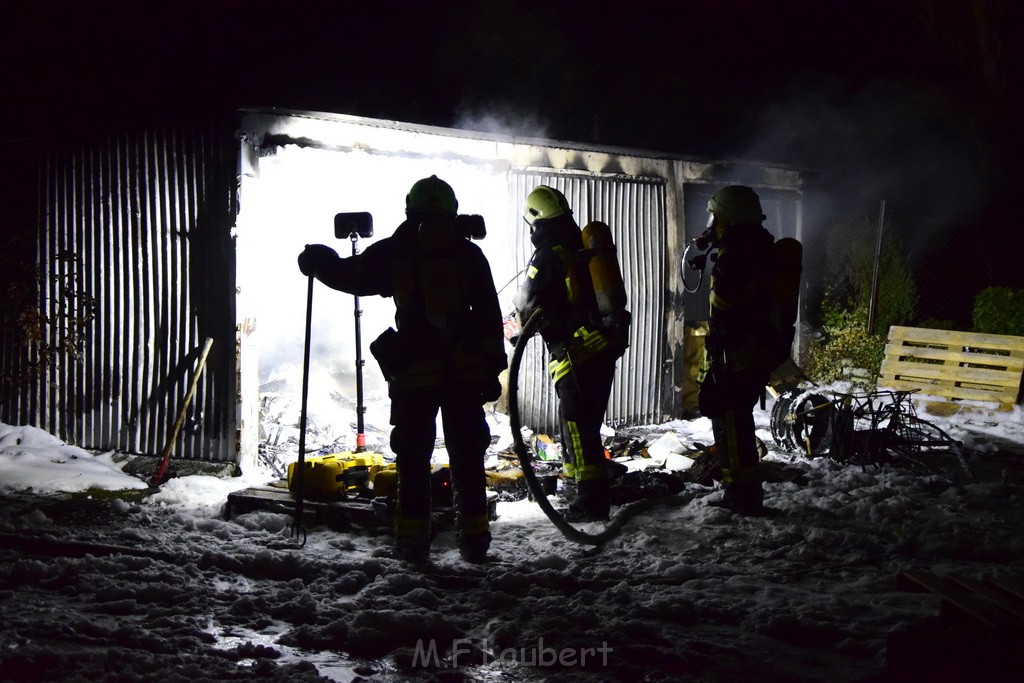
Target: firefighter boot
x: 474, y: 537
x: 567, y: 491
x: 745, y: 498
x: 473, y: 547
x: 592, y: 502
x: 412, y: 539
x: 413, y: 549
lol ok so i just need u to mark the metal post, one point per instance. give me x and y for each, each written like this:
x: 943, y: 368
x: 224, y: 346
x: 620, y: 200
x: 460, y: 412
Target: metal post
x: 873, y: 302
x: 360, y: 408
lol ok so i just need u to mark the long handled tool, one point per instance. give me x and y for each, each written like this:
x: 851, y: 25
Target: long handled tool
x: 296, y: 526
x: 352, y: 225
x: 160, y: 476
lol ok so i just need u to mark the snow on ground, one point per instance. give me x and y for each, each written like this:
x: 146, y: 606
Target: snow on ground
x: 101, y: 580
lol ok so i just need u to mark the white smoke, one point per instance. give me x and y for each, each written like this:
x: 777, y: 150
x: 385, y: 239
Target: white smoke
x: 885, y: 142
x: 510, y: 121
x: 910, y: 148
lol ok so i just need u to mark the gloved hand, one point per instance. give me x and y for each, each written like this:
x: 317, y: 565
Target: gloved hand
x: 314, y: 256
x: 491, y: 391
x: 510, y: 327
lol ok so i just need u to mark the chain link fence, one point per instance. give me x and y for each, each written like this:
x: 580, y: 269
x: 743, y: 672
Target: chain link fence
x: 948, y: 277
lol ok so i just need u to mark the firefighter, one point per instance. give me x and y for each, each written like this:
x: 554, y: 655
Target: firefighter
x: 582, y: 349
x: 740, y: 347
x: 446, y: 355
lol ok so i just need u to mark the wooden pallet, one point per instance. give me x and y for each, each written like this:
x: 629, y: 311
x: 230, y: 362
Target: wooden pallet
x: 336, y: 513
x: 977, y: 634
x: 954, y: 365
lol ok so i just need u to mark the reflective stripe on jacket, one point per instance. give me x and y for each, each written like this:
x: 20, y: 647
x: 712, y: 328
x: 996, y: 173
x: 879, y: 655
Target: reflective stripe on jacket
x: 584, y: 345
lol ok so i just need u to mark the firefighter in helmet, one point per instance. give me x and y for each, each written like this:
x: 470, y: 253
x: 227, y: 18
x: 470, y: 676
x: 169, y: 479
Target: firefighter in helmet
x: 582, y: 350
x: 446, y: 356
x: 739, y: 346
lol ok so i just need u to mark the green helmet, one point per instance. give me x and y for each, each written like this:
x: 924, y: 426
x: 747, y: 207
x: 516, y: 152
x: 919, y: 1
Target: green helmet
x: 543, y: 203
x: 431, y: 195
x: 736, y: 205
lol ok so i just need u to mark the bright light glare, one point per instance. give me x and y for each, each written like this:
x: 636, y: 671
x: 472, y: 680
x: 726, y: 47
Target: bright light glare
x: 292, y: 203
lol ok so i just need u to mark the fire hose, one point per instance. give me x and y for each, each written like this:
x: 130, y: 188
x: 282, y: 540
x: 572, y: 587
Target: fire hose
x: 533, y: 325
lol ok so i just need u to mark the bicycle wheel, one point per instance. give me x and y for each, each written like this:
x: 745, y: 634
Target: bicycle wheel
x: 802, y: 422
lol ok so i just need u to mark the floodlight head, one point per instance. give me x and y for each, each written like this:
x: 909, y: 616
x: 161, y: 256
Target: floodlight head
x: 353, y: 223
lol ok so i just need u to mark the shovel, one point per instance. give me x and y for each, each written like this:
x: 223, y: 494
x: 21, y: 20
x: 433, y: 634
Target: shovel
x: 160, y: 476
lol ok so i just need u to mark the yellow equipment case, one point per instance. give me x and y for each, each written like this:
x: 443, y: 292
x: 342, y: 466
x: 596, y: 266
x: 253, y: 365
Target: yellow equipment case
x: 384, y: 483
x: 337, y: 474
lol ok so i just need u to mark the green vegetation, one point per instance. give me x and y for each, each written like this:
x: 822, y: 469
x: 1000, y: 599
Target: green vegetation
x: 999, y: 310
x: 48, y: 334
x: 845, y: 345
x: 845, y: 342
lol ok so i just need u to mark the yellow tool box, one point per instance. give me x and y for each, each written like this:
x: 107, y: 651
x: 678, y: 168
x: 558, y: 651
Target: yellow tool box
x: 336, y: 474
x: 384, y: 482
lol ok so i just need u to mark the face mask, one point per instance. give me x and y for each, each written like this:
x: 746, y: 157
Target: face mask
x: 705, y: 239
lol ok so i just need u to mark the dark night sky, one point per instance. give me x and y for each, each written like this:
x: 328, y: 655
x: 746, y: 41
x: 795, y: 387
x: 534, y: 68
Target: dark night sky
x: 913, y: 101
x: 680, y: 76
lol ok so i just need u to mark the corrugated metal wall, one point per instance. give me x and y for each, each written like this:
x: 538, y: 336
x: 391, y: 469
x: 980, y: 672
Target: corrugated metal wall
x: 142, y: 224
x: 634, y: 208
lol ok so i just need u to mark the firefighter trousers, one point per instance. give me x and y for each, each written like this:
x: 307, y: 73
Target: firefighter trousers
x: 466, y: 437
x: 728, y: 399
x: 582, y: 402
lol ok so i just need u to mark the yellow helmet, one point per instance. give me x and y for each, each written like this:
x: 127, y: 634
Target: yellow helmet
x: 544, y: 203
x: 736, y: 205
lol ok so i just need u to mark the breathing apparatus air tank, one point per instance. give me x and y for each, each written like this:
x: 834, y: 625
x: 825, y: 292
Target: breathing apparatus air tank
x: 787, y: 256
x: 609, y: 288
